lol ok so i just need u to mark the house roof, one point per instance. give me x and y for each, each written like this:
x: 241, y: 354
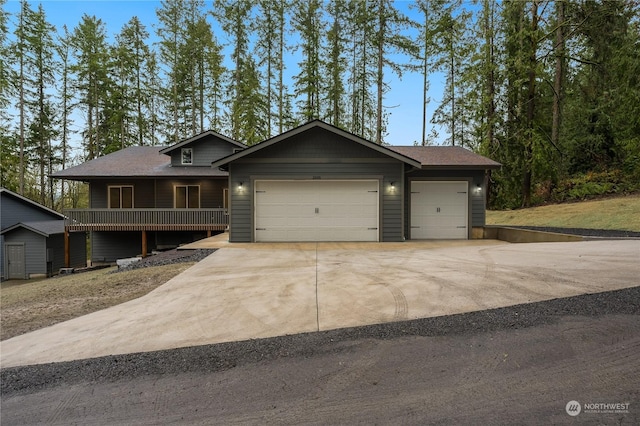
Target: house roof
x: 452, y: 157
x: 134, y: 161
x: 184, y: 142
x: 32, y: 203
x: 44, y: 228
x: 223, y: 162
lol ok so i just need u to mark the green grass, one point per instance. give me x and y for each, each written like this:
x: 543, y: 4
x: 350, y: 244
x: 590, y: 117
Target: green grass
x: 610, y: 213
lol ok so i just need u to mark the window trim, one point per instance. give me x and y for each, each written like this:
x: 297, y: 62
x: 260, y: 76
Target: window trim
x: 175, y: 197
x: 109, y: 187
x: 183, y: 151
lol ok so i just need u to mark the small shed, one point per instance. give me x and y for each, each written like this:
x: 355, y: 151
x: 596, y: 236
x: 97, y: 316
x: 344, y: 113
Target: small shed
x: 32, y: 239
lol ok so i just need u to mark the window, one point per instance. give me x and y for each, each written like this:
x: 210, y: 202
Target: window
x: 187, y: 155
x: 121, y: 197
x: 187, y: 197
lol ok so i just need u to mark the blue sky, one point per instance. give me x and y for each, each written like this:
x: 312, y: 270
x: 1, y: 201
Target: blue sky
x: 404, y: 99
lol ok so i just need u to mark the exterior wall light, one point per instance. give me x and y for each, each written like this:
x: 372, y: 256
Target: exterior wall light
x: 240, y: 185
x: 392, y: 186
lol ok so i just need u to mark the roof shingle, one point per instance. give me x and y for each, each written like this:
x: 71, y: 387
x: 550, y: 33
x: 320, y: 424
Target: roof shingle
x: 445, y: 156
x: 134, y: 161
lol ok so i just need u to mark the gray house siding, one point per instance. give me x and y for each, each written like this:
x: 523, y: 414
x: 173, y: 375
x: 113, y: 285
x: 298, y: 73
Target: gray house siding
x: 211, y: 192
x: 78, y: 243
x: 109, y: 246
x: 151, y: 193
x: 35, y: 250
x: 317, y: 144
x: 143, y: 192
x: 476, y: 198
x: 204, y: 151
x: 387, y: 171
x: 16, y: 211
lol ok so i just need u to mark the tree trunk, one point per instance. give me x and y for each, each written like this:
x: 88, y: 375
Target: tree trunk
x: 380, y: 74
x: 558, y: 89
x: 531, y: 97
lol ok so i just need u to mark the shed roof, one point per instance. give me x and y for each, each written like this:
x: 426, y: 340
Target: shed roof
x: 25, y: 200
x: 44, y: 228
x: 454, y: 157
x: 134, y: 161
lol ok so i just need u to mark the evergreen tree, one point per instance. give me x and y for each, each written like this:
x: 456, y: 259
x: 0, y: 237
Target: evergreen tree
x: 362, y: 64
x: 171, y: 32
x: 252, y: 112
x: 308, y: 23
x: 35, y: 48
x: 65, y: 107
x: 388, y: 42
x: 336, y: 65
x: 603, y: 109
x: 234, y: 17
x: 270, y: 48
x: 9, y: 143
x: 92, y: 75
x: 455, y: 47
x: 431, y: 11
x: 131, y: 53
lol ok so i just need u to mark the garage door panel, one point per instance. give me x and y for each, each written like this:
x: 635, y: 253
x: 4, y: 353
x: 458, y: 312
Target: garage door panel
x: 316, y: 210
x: 439, y: 210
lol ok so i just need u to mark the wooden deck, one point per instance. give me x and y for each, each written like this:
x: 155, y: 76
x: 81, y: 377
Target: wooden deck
x: 146, y: 219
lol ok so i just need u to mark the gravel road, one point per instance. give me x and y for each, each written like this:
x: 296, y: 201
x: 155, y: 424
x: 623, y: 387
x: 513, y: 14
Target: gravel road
x: 223, y: 356
x: 515, y: 365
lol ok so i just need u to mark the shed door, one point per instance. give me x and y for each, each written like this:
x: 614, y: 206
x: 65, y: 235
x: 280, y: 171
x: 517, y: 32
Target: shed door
x: 439, y: 210
x: 15, y: 261
x: 316, y: 210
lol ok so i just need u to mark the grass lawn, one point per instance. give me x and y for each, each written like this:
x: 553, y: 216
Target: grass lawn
x: 610, y: 213
x: 29, y: 305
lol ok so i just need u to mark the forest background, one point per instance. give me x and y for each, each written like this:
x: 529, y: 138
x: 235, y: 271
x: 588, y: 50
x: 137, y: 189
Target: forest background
x: 550, y: 89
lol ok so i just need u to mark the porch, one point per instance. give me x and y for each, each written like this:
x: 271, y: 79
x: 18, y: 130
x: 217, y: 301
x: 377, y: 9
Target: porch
x: 143, y: 220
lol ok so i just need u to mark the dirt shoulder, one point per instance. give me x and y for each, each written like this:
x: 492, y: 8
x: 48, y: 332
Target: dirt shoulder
x: 31, y: 305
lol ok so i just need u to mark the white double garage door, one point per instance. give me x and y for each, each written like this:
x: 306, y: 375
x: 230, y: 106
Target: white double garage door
x: 349, y: 210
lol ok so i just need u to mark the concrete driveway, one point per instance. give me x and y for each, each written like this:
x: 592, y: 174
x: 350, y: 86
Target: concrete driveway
x: 248, y: 291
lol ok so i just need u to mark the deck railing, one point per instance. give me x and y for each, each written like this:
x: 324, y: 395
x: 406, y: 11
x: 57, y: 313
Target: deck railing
x: 146, y: 219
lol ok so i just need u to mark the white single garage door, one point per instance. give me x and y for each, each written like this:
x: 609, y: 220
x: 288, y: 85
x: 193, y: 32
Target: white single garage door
x: 316, y: 210
x: 439, y: 210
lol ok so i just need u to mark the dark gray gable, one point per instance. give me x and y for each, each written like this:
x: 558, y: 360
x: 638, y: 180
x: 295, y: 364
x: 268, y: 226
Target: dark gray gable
x: 16, y: 208
x: 204, y: 149
x: 319, y: 141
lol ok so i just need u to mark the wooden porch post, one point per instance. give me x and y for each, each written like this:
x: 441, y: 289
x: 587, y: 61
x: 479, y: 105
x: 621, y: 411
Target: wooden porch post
x: 144, y: 243
x: 67, y: 254
x: 208, y: 233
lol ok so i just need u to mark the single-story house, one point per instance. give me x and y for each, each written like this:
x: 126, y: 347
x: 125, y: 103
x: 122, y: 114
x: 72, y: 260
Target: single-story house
x: 320, y: 183
x: 32, y: 239
x: 315, y: 182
